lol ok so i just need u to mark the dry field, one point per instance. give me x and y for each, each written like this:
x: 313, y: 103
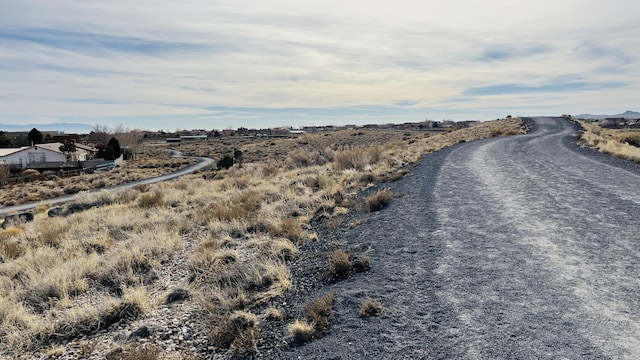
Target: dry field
x: 621, y: 143
x: 202, y: 254
x: 150, y: 162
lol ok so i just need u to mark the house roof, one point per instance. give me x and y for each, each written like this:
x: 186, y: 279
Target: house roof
x: 86, y: 147
x: 51, y: 146
x: 9, y: 151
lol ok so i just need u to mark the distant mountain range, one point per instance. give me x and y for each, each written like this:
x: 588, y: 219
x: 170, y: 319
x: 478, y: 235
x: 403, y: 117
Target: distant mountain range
x: 67, y: 128
x: 626, y: 115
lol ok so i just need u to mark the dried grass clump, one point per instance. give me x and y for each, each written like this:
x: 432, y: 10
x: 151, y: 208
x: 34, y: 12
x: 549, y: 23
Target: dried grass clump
x: 370, y: 307
x: 55, y: 351
x: 379, y: 200
x: 10, y: 245
x: 151, y: 199
x: 343, y: 265
x: 320, y: 311
x: 309, y: 157
x: 301, y: 331
x: 239, y: 331
x: 134, y: 352
x: 340, y: 266
x: 356, y: 159
x: 272, y: 313
x: 86, y: 200
x: 289, y: 227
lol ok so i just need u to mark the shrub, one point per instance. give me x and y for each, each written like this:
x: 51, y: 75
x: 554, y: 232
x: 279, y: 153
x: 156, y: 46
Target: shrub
x: 272, y: 314
x: 4, y: 171
x: 239, y: 332
x: 370, y: 307
x: 225, y: 163
x: 351, y: 159
x: 633, y: 140
x: 361, y: 264
x: 149, y: 200
x: 343, y: 265
x: 301, y: 331
x: 379, y: 200
x: 321, y: 311
x: 340, y: 266
x: 178, y: 295
x: 289, y: 228
x: 30, y: 172
x: 150, y: 352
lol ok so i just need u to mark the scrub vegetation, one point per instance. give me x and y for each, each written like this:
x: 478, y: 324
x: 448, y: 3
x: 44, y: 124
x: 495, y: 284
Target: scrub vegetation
x: 218, y: 244
x: 621, y: 143
x: 149, y: 162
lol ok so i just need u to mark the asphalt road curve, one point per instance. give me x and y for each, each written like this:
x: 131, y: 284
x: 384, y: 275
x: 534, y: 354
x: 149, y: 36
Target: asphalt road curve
x: 521, y: 247
x: 202, y: 163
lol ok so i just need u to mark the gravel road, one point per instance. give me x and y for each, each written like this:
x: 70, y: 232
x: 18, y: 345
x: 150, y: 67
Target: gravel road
x: 523, y: 247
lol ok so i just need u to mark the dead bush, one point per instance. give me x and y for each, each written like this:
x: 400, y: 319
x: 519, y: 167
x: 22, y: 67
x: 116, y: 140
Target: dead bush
x: 340, y: 266
x: 320, y: 311
x: 379, y: 200
x: 272, y: 314
x: 301, y: 331
x: 4, y: 171
x: 149, y: 352
x: 351, y: 159
x: 150, y: 200
x: 632, y: 139
x: 343, y: 265
x: 370, y: 307
x: 238, y: 332
x: 289, y: 227
x: 361, y: 264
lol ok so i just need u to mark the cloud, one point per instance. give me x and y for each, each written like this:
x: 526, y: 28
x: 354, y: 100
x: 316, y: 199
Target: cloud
x: 214, y: 63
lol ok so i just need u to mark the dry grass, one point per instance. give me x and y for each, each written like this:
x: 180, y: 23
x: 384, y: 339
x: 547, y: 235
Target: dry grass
x: 370, y: 307
x: 343, y: 265
x: 301, y: 331
x: 620, y: 143
x: 340, y: 266
x: 379, y: 200
x: 246, y: 224
x: 149, y: 162
x: 238, y: 331
x: 320, y: 311
x: 142, y: 353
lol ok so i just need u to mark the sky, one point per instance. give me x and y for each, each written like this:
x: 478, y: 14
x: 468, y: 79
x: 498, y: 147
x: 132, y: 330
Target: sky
x: 209, y: 64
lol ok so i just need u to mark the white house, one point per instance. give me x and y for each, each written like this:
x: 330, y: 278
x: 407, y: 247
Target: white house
x: 27, y: 156
x: 82, y: 153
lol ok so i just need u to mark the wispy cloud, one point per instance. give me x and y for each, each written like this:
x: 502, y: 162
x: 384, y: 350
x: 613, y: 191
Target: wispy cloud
x: 213, y: 64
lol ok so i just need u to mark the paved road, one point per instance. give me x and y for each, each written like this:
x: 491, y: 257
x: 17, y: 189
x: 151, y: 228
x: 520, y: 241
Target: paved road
x: 517, y: 247
x: 202, y: 163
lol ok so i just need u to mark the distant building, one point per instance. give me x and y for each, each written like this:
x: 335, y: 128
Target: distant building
x: 63, y: 138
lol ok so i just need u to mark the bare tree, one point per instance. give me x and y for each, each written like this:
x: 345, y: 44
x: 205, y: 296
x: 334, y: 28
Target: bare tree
x: 129, y: 138
x: 100, y: 135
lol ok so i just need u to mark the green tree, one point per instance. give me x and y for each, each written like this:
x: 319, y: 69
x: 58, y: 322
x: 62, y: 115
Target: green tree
x: 225, y: 163
x: 112, y: 151
x: 4, y: 141
x: 68, y: 148
x: 115, y: 145
x: 35, y: 136
x: 237, y: 156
